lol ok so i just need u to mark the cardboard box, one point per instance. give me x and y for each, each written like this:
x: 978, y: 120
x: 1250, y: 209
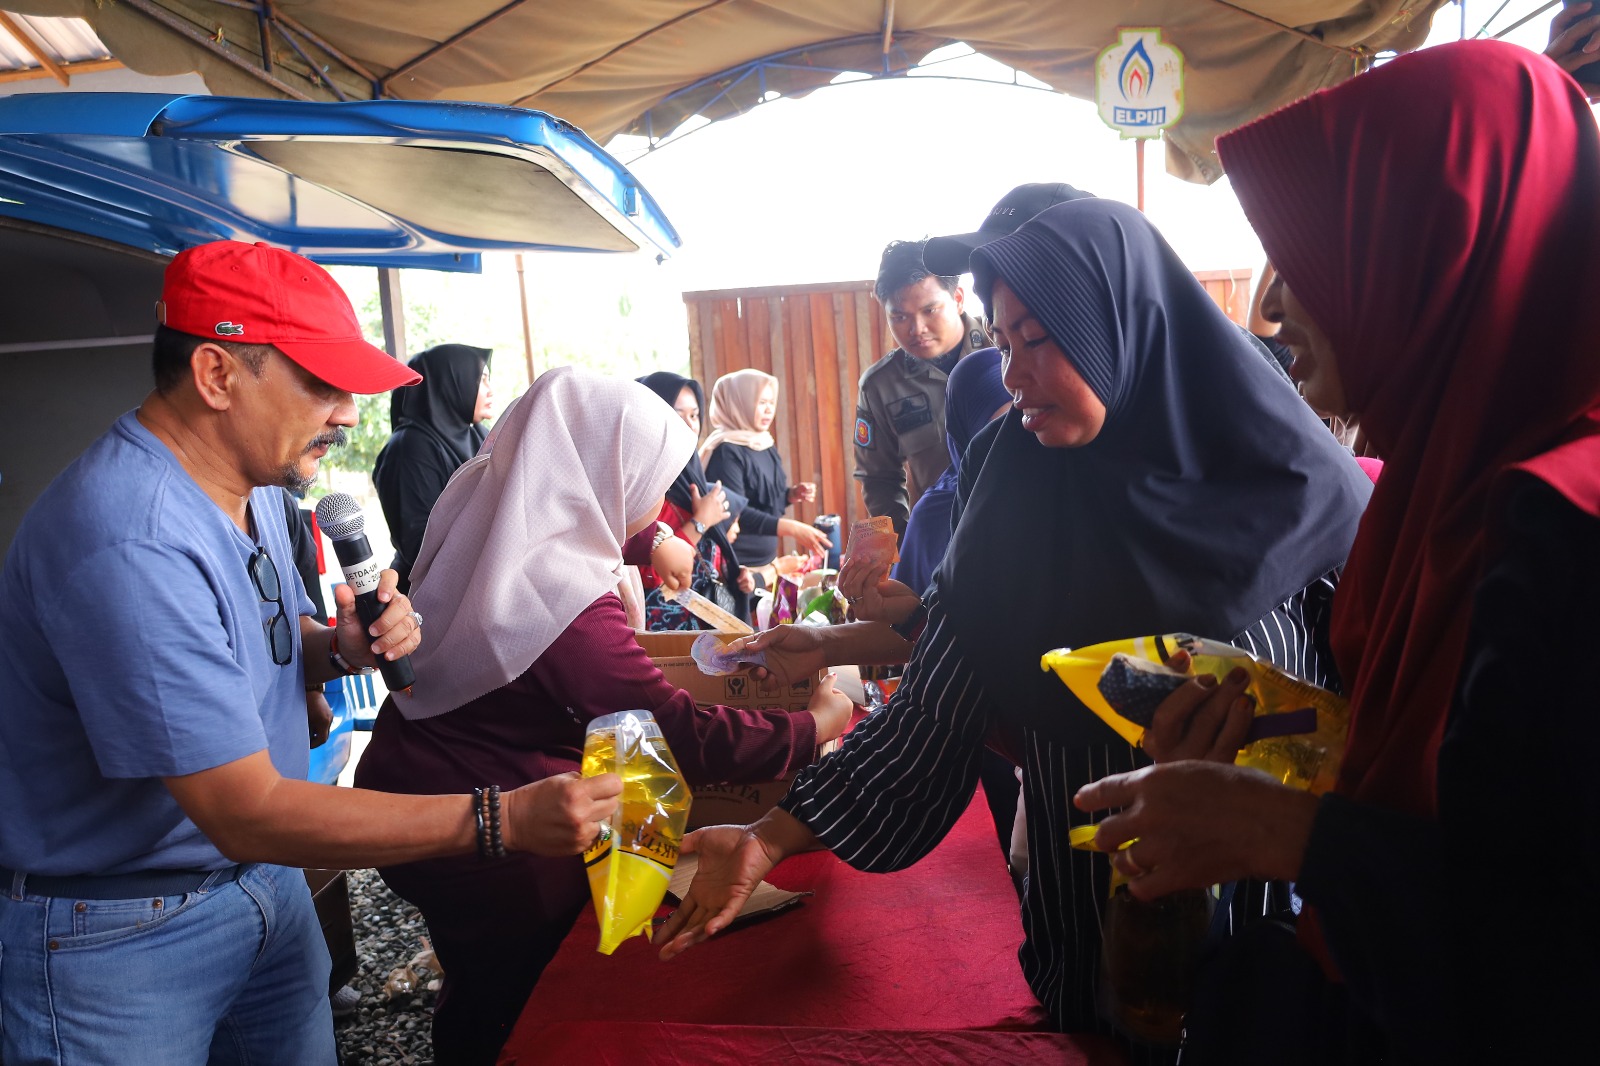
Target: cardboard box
x: 330, y: 894
x: 718, y: 804
x: 670, y: 652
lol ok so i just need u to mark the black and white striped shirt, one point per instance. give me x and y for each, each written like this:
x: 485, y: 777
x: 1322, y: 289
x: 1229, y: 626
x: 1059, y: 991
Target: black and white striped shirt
x: 904, y: 776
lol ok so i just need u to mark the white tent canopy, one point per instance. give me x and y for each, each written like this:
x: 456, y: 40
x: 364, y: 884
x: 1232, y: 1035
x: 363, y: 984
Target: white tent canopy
x: 645, y: 66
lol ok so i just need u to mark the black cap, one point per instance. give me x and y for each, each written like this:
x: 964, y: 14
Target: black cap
x: 949, y: 256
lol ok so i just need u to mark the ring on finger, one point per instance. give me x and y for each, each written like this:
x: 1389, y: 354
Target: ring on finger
x: 416, y: 618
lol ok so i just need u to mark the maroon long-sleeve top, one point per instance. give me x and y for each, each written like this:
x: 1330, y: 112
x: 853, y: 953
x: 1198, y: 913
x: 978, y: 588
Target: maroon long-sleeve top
x: 534, y: 726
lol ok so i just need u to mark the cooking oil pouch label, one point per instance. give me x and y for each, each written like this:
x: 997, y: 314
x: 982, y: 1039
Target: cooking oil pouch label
x: 630, y: 863
x: 1299, y: 731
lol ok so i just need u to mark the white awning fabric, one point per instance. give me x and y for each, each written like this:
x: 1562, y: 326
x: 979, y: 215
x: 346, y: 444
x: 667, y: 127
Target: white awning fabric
x: 613, y: 66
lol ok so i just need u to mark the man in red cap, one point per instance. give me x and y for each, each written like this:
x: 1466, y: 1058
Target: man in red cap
x: 155, y: 646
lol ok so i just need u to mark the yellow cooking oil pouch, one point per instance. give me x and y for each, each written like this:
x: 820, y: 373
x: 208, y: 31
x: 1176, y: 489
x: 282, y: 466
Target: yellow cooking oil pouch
x: 1299, y: 730
x: 631, y: 861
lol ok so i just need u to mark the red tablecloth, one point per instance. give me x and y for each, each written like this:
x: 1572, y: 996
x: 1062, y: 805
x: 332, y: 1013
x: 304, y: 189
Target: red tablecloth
x: 918, y: 967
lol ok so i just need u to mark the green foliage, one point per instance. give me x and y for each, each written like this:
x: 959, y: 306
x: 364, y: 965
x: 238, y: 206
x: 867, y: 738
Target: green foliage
x: 609, y: 314
x: 366, y: 438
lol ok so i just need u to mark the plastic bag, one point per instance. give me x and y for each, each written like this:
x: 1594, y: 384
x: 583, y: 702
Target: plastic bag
x: 713, y: 657
x: 827, y: 602
x: 786, y: 601
x: 872, y: 544
x: 1299, y: 732
x: 630, y: 864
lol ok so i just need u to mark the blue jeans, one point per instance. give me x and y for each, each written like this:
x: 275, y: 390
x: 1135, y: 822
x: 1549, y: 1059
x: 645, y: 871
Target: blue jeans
x: 229, y: 973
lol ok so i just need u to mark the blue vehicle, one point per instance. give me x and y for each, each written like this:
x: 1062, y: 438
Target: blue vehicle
x: 99, y: 190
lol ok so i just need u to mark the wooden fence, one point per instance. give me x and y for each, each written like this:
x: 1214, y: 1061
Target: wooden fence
x: 817, y: 340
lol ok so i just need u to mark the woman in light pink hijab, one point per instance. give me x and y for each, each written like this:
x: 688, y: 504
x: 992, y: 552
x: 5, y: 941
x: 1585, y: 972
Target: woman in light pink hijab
x: 740, y: 453
x: 517, y: 576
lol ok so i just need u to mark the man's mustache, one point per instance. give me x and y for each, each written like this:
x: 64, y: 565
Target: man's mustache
x: 336, y: 439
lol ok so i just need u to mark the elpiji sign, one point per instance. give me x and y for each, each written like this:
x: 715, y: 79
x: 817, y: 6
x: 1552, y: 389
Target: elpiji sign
x: 1138, y: 83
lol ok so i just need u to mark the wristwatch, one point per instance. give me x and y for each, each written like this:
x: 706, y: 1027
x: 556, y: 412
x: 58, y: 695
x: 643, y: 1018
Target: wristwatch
x: 910, y: 629
x: 699, y: 526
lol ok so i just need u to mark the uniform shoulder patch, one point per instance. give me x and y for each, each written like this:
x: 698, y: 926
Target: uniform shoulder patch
x: 863, y: 433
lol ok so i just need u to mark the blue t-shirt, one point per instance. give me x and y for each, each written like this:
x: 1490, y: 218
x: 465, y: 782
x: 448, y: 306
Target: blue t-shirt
x: 133, y: 647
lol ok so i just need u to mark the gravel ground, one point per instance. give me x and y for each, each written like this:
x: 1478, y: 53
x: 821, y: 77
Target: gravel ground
x: 384, y: 1031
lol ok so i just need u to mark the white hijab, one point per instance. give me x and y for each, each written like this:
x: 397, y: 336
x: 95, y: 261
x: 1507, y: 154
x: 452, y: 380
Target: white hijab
x: 529, y: 532
x: 733, y: 412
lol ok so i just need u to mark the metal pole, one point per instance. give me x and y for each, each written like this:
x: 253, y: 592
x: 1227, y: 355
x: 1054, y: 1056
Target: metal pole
x: 377, y: 89
x: 263, y: 25
x: 392, y: 304
x: 187, y: 30
x: 1140, y: 165
x: 527, y: 327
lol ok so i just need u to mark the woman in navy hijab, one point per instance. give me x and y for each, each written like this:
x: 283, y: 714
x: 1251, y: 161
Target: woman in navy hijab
x: 1155, y: 476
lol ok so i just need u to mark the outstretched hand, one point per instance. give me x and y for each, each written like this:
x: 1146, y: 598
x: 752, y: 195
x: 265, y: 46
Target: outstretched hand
x: 808, y: 539
x: 792, y: 653
x: 733, y: 860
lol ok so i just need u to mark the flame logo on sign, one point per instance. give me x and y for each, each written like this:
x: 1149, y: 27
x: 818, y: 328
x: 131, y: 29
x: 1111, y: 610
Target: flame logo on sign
x: 1136, y: 72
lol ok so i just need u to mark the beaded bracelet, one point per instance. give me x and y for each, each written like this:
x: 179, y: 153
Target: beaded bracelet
x: 486, y: 811
x: 339, y: 662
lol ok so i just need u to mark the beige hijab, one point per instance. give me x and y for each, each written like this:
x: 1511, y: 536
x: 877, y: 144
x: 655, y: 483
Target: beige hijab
x: 733, y: 412
x: 529, y: 532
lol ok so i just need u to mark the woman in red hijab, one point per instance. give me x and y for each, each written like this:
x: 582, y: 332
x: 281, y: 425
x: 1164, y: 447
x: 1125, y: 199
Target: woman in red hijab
x: 1436, y: 226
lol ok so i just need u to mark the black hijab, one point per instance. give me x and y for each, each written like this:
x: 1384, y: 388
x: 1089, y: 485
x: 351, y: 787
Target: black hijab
x: 668, y: 385
x: 1211, y: 495
x: 443, y: 403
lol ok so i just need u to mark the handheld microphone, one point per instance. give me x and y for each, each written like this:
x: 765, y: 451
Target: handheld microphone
x: 341, y: 519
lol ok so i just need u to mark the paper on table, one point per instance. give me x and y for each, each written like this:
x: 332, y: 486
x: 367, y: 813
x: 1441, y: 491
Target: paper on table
x: 765, y: 900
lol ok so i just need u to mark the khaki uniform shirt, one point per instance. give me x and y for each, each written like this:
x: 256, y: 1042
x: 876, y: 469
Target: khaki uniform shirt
x: 900, y: 423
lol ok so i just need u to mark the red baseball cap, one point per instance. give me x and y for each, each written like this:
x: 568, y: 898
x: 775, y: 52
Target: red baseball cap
x: 257, y: 294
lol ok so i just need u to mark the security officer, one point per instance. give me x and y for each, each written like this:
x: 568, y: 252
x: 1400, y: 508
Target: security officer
x: 900, y: 409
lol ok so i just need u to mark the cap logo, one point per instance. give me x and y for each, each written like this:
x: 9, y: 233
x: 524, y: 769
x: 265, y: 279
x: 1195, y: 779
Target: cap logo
x: 229, y: 329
